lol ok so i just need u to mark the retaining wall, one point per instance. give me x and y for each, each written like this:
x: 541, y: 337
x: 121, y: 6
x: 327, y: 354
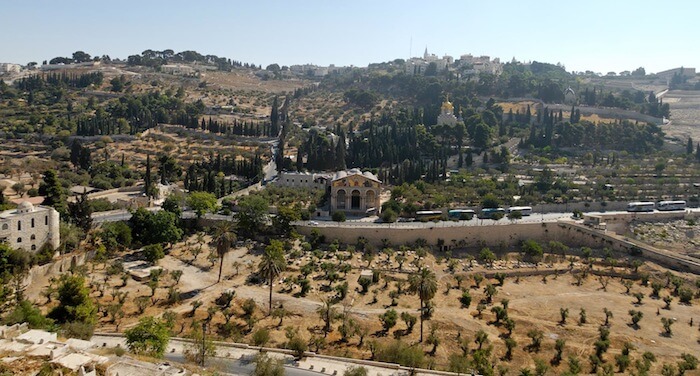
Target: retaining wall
x: 570, y: 233
x: 59, y: 265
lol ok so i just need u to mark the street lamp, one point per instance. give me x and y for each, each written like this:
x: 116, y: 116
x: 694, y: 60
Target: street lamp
x: 204, y: 345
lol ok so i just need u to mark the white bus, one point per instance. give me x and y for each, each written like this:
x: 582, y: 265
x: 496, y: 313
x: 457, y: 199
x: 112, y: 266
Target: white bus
x: 671, y: 205
x: 640, y: 206
x: 428, y: 215
x: 491, y: 213
x: 461, y: 214
x: 524, y: 210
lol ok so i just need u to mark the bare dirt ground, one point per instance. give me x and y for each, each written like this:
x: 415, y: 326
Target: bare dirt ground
x: 534, y: 303
x: 246, y: 80
x: 522, y: 107
x: 685, y: 115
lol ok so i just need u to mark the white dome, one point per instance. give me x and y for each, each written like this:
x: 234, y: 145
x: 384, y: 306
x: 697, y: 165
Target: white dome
x: 25, y: 206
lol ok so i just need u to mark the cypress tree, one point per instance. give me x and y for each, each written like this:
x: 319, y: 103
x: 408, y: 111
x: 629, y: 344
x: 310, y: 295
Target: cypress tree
x: 689, y: 147
x: 340, y: 152
x: 572, y: 115
x: 147, y: 184
x: 469, y: 160
x: 274, y: 116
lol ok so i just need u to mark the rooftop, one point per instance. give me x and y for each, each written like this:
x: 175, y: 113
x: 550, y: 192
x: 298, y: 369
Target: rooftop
x: 355, y: 171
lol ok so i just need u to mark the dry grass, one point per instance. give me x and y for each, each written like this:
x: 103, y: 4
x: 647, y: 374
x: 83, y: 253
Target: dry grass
x: 532, y: 304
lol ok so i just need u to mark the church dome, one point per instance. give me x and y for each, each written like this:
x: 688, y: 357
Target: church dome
x: 25, y: 207
x: 447, y: 106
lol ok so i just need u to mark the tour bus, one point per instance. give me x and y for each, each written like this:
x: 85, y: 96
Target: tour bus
x: 428, y: 215
x: 671, y: 205
x: 641, y: 206
x: 461, y: 214
x: 488, y: 213
x: 524, y: 210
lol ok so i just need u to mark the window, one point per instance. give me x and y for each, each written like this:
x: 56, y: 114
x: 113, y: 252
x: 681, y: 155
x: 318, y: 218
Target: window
x: 341, y: 199
x: 33, y: 247
x: 19, y: 240
x: 32, y: 222
x: 5, y: 226
x: 19, y: 225
x: 33, y: 237
x: 46, y: 220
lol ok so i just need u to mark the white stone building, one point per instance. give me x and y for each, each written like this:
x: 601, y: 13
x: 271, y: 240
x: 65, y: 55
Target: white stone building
x: 480, y: 64
x: 417, y: 65
x: 29, y: 227
x: 177, y: 70
x: 353, y: 191
x: 10, y: 68
x: 303, y: 180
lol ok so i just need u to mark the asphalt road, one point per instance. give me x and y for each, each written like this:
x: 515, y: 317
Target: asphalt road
x: 243, y: 366
x: 534, y: 218
x: 373, y: 222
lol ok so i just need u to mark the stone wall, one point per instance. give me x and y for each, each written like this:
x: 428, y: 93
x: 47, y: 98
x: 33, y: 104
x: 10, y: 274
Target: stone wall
x: 59, y: 265
x: 489, y: 235
x: 511, y: 235
x: 619, y: 222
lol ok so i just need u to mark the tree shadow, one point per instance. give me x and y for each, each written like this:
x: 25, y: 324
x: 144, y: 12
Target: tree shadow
x: 400, y: 333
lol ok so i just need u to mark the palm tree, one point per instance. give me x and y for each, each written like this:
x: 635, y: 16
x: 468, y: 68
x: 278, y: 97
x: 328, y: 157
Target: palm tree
x: 223, y: 239
x: 424, y: 284
x: 272, y: 264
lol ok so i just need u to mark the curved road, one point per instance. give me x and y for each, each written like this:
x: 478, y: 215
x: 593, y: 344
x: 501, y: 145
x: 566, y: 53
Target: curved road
x: 230, y: 360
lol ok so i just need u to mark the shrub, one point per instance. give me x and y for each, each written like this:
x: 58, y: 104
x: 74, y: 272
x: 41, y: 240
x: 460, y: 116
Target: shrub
x: 45, y: 255
x: 153, y: 252
x: 389, y: 216
x: 685, y: 295
x: 465, y: 299
x: 339, y: 216
x: 532, y: 249
x: 356, y: 371
x: 150, y: 337
x: 78, y: 330
x: 261, y: 337
x: 401, y: 353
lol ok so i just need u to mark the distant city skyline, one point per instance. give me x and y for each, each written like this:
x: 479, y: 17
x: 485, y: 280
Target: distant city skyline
x: 596, y: 35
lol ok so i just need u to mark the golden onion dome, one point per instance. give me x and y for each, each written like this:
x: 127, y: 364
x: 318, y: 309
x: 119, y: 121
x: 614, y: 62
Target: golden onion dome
x: 447, y: 106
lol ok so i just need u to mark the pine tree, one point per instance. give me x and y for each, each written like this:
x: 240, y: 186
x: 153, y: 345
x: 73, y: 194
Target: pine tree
x: 80, y: 212
x: 53, y: 192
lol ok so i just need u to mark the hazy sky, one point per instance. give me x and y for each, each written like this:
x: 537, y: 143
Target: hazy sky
x: 611, y: 35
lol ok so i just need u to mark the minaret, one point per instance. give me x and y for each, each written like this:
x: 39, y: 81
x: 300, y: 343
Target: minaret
x: 425, y: 54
